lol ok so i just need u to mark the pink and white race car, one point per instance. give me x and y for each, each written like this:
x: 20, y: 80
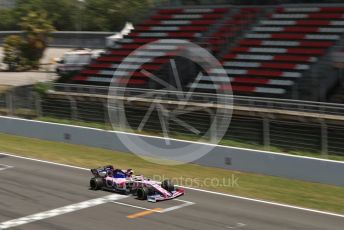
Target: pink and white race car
x: 123, y: 181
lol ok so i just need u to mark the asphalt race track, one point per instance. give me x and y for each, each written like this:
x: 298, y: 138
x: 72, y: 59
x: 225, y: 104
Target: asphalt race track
x: 37, y: 195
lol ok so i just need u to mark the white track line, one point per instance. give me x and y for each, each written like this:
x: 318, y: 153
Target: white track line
x: 185, y: 204
x: 4, y: 167
x: 43, y: 161
x: 60, y: 211
x: 134, y: 206
x: 266, y: 202
x: 199, y: 190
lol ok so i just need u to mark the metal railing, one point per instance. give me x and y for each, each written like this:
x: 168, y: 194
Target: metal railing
x: 256, y: 102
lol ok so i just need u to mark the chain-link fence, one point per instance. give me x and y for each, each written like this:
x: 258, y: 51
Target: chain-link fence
x: 315, y: 127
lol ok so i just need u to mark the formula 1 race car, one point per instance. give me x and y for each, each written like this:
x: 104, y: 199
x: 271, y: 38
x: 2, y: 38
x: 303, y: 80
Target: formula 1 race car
x: 123, y: 181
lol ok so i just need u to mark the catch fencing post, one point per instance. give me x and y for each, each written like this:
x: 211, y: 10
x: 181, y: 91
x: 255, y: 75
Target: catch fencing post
x: 74, y: 108
x: 10, y: 102
x: 107, y: 121
x: 266, y: 132
x: 213, y: 129
x: 38, y: 104
x: 324, y: 139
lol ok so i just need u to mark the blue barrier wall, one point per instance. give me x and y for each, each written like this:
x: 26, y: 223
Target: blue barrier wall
x: 268, y: 163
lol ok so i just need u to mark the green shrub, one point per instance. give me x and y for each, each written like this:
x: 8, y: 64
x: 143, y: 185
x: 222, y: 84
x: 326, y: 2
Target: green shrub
x: 13, y: 55
x: 42, y: 87
x: 24, y: 53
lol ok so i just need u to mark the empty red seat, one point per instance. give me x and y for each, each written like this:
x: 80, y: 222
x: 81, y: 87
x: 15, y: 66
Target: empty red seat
x: 110, y: 59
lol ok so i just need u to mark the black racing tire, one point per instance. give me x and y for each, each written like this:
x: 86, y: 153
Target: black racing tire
x: 96, y: 183
x: 167, y: 185
x: 142, y: 193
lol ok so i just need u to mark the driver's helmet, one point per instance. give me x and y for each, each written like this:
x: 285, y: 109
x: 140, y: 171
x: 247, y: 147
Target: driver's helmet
x: 109, y: 170
x: 109, y: 167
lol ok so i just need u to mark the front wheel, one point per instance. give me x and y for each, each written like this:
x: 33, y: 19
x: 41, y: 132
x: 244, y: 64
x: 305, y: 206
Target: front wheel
x: 142, y: 193
x: 167, y: 185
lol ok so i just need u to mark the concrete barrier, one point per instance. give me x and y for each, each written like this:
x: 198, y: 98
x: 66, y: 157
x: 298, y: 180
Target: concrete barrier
x: 268, y: 163
x: 70, y: 39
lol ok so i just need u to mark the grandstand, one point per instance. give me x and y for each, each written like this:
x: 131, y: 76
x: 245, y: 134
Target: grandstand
x: 272, y: 51
x: 279, y: 53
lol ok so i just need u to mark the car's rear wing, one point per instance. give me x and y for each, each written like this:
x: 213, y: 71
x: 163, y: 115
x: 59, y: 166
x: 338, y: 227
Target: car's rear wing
x: 95, y: 172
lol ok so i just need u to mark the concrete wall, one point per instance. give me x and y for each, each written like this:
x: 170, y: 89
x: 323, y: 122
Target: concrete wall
x: 70, y: 39
x: 295, y: 167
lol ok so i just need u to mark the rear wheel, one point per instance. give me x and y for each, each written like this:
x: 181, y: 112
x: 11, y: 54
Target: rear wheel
x: 142, y: 193
x: 96, y: 183
x: 167, y: 185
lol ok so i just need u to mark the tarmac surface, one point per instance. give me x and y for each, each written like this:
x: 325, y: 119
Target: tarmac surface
x: 46, y: 73
x: 38, y: 195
